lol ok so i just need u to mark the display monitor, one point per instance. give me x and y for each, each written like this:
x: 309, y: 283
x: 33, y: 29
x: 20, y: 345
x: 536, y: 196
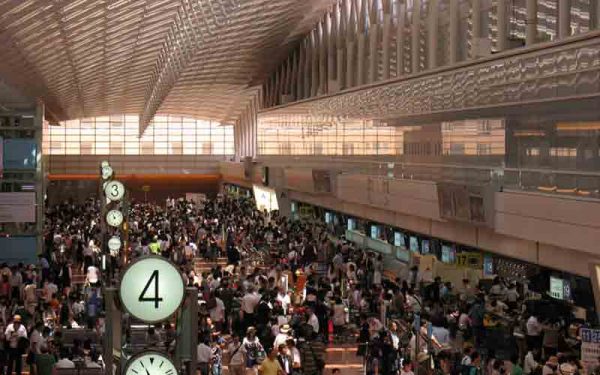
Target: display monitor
x: 560, y: 288
x: 425, y: 247
x: 448, y: 254
x: 351, y: 223
x: 414, y: 244
x: 399, y: 240
x: 375, y: 232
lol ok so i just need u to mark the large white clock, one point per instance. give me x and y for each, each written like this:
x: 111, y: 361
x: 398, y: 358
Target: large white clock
x: 114, y: 218
x: 150, y: 363
x: 114, y: 190
x: 151, y: 289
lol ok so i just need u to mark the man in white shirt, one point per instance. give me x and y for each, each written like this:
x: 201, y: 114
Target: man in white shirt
x: 217, y: 313
x: 534, y: 332
x: 204, y: 355
x: 313, y: 320
x: 14, y: 332
x: 248, y: 305
x: 284, y: 299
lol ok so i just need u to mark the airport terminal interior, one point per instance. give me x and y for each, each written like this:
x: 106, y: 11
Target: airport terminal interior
x: 299, y: 187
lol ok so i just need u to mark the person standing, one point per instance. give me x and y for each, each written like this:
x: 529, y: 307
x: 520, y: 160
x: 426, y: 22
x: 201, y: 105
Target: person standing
x: 311, y: 354
x: 15, y: 334
x: 236, y: 357
x: 271, y: 366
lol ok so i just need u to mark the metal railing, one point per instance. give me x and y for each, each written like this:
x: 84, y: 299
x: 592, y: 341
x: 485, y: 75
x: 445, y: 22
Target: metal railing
x: 552, y: 181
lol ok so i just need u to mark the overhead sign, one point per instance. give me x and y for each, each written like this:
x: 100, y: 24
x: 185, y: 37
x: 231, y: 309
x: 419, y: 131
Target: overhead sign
x: 590, y: 348
x: 266, y: 199
x: 469, y: 260
x: 151, y: 289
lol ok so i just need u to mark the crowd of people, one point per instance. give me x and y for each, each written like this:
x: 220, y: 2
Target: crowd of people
x: 289, y: 288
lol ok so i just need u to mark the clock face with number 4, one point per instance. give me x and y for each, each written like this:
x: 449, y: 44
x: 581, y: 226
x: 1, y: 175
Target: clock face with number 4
x: 151, y: 289
x: 150, y: 363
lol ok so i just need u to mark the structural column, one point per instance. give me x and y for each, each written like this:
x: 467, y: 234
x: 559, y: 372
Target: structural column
x: 531, y: 22
x: 400, y: 35
x: 476, y: 21
x: 594, y: 14
x: 432, y: 34
x: 341, y: 46
x: 332, y: 85
x: 387, y: 37
x: 453, y: 37
x: 414, y: 35
x: 40, y: 179
x: 373, y: 42
x: 361, y: 37
x: 564, y: 18
x: 350, y: 46
x: 502, y: 12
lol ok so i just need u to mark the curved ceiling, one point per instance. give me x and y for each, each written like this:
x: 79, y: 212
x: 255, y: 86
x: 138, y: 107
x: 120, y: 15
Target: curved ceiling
x: 202, y: 58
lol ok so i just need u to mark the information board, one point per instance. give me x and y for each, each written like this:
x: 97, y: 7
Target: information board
x: 590, y: 348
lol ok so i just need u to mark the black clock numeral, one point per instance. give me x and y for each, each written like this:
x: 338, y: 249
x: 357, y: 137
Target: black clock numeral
x: 169, y: 372
x: 151, y: 360
x: 156, y: 299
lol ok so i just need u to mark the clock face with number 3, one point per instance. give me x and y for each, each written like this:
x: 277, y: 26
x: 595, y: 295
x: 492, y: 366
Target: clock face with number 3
x: 114, y: 190
x: 151, y: 289
x: 150, y: 363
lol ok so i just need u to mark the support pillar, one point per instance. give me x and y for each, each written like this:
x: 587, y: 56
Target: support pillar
x: 476, y: 22
x: 387, y: 37
x: 113, y: 335
x: 414, y: 35
x: 373, y: 42
x: 400, y: 36
x: 40, y: 179
x: 432, y: 34
x: 531, y: 23
x: 564, y: 19
x: 453, y: 37
x: 594, y: 14
x: 502, y: 15
x: 361, y: 43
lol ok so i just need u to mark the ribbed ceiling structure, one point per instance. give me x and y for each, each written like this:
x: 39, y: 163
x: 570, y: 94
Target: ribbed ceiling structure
x: 201, y: 58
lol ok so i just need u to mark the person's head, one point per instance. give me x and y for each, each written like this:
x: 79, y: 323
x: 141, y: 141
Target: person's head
x: 407, y: 365
x: 282, y: 349
x: 17, y: 321
x: 251, y: 332
x: 273, y: 354
x: 336, y: 371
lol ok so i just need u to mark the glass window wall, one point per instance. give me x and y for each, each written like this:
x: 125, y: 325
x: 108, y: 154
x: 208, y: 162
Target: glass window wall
x: 118, y: 135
